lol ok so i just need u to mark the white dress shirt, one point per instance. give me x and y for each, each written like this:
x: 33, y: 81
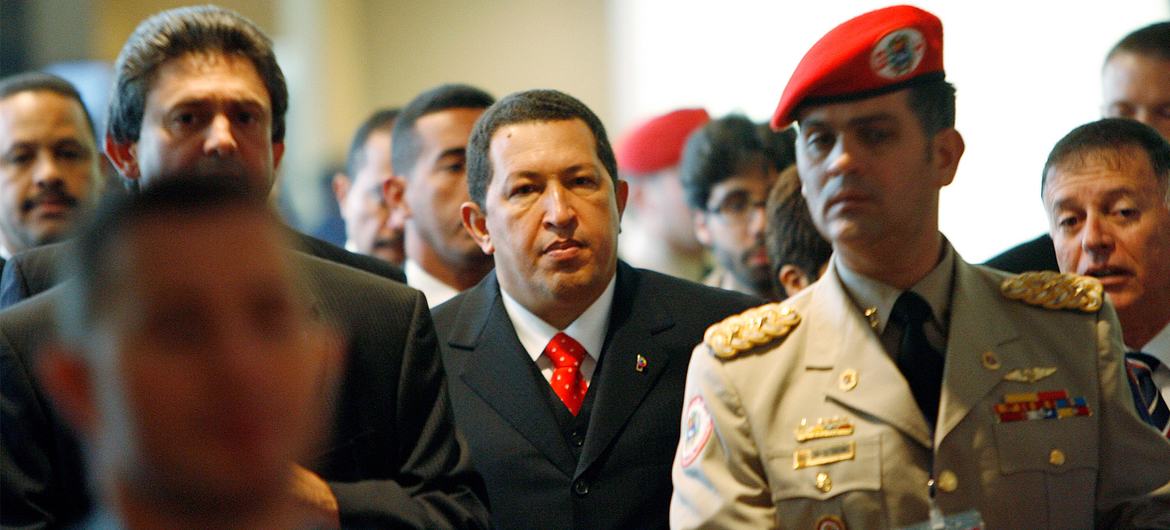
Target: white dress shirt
x: 589, y: 329
x: 435, y: 290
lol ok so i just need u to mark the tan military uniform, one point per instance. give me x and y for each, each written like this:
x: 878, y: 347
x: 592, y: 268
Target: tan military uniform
x: 818, y: 429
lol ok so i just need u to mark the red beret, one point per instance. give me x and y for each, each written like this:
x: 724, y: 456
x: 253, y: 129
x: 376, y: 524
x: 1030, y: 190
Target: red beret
x: 876, y: 53
x: 657, y: 144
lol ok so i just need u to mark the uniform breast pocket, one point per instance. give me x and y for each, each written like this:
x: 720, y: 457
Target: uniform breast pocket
x: 1053, y: 461
x: 827, y: 478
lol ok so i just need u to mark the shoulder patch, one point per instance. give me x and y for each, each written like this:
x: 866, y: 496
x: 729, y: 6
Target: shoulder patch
x: 755, y: 327
x: 1053, y: 290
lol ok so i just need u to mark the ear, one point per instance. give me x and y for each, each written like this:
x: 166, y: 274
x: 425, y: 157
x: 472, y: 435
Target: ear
x: 341, y: 186
x: 277, y: 154
x: 793, y: 279
x: 623, y: 195
x: 702, y: 231
x: 123, y: 156
x: 947, y: 148
x: 394, y: 193
x: 68, y: 381
x: 475, y: 222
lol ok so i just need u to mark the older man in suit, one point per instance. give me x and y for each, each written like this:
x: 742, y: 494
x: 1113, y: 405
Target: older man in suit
x: 907, y: 388
x: 200, y: 94
x: 566, y: 365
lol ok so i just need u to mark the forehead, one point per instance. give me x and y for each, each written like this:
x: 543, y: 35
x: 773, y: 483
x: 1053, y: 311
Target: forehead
x: 751, y: 178
x: 543, y: 146
x: 893, y: 106
x: 1126, y: 69
x: 33, y: 114
x: 207, y: 76
x: 447, y: 128
x: 1102, y: 171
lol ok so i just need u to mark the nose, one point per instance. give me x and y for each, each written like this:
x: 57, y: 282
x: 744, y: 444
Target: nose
x: 1096, y: 238
x: 758, y: 219
x: 558, y: 212
x: 220, y: 141
x: 843, y: 158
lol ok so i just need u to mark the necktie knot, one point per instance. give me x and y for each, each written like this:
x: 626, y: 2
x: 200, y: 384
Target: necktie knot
x: 564, y: 351
x: 1147, y: 397
x: 1151, y: 363
x: 910, y: 308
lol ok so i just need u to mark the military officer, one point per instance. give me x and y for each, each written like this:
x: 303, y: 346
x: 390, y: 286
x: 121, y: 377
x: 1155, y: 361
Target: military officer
x: 907, y: 388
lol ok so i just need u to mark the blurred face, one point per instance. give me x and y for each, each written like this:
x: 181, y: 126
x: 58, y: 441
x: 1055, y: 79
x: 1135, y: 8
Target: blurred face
x: 206, y: 114
x: 48, y: 168
x: 733, y: 226
x: 437, y: 185
x: 1109, y: 219
x: 364, y: 208
x: 552, y: 214
x: 868, y: 173
x: 667, y: 201
x: 1137, y: 87
x: 216, y: 387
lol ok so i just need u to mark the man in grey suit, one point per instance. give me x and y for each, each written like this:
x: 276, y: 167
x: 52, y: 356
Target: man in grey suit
x: 200, y: 94
x: 566, y: 365
x: 907, y: 388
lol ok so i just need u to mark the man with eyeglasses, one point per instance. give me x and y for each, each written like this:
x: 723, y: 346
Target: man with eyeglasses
x: 726, y: 174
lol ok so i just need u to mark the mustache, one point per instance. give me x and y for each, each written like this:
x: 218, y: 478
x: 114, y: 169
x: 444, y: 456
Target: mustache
x: 53, y: 194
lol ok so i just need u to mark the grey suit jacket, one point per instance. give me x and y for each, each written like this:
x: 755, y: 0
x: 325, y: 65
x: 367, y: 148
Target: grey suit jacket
x: 393, y: 460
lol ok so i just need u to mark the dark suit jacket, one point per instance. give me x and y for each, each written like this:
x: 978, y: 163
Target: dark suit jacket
x: 1035, y: 255
x: 34, y: 270
x: 393, y: 460
x: 622, y: 479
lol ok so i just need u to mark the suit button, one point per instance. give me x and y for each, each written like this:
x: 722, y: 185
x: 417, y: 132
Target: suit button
x: 581, y: 488
x: 1056, y: 457
x: 576, y: 438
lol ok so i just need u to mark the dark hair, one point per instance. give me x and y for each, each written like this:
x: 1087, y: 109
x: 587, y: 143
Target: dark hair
x: 524, y: 107
x: 405, y: 141
x: 91, y: 264
x: 1152, y: 41
x: 715, y: 153
x: 1109, y: 136
x: 380, y: 120
x: 177, y: 32
x: 780, y: 147
x: 933, y: 103
x: 42, y: 82
x: 792, y: 237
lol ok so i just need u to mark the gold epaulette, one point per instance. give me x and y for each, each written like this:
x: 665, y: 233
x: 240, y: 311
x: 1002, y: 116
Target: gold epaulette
x: 1054, y: 290
x: 755, y: 327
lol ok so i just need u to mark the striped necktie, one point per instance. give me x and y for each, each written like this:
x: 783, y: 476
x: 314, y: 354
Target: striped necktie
x: 1147, y: 397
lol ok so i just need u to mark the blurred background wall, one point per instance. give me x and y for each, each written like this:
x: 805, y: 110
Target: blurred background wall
x: 1027, y: 72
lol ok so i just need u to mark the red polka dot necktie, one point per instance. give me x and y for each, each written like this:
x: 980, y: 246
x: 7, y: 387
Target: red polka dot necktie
x: 568, y: 383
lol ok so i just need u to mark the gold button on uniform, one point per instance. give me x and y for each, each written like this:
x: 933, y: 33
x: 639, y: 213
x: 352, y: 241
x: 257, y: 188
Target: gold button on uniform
x: 824, y: 483
x: 947, y: 481
x: 848, y: 380
x: 1056, y: 457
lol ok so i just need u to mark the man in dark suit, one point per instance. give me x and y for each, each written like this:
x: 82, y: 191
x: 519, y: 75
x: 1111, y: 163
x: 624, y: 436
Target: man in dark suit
x: 567, y: 366
x: 199, y: 93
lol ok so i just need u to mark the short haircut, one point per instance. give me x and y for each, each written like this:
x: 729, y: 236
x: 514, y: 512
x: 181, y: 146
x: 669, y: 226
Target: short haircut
x: 524, y: 107
x: 716, y: 152
x: 933, y: 103
x: 177, y: 32
x: 91, y: 265
x: 42, y: 82
x: 405, y: 144
x: 780, y: 147
x: 792, y: 237
x: 380, y: 120
x: 1110, y: 137
x: 1151, y: 41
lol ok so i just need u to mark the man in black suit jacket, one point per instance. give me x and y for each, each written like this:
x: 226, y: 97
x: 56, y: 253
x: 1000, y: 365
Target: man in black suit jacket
x: 199, y: 93
x: 577, y: 432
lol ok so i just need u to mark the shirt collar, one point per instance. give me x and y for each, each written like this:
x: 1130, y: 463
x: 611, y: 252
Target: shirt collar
x: 876, y: 299
x: 589, y: 328
x: 1159, y: 346
x: 4, y: 253
x: 437, y: 292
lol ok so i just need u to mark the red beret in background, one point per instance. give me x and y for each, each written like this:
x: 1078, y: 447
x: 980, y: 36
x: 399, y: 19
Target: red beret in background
x: 657, y: 144
x: 876, y: 53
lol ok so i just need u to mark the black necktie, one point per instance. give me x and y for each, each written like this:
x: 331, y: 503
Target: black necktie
x: 920, y: 363
x: 1147, y: 397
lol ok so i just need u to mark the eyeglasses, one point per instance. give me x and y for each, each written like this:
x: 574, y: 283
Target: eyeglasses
x: 737, y: 207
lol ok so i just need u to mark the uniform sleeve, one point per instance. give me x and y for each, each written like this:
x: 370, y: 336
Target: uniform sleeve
x: 435, y: 486
x: 718, y: 474
x: 1134, y: 458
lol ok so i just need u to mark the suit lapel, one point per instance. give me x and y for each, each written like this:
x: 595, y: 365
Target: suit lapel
x: 498, y: 371
x: 974, y: 330
x: 635, y: 320
x: 850, y: 344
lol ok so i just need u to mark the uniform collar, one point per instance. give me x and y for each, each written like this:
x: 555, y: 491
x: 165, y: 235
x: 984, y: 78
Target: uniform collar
x: 876, y: 299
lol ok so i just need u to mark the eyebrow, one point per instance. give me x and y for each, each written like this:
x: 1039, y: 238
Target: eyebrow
x: 454, y: 151
x: 868, y: 119
x: 1110, y: 196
